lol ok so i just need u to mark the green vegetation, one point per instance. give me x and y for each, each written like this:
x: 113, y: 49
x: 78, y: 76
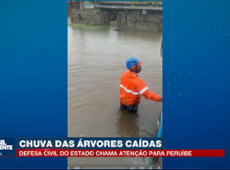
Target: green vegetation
x: 91, y: 26
x: 113, y: 23
x: 87, y: 26
x: 160, y: 30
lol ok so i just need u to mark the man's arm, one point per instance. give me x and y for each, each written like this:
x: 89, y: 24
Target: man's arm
x: 146, y: 93
x: 151, y: 96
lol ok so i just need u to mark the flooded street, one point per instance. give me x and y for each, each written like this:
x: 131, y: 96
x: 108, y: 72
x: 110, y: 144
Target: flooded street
x: 96, y: 60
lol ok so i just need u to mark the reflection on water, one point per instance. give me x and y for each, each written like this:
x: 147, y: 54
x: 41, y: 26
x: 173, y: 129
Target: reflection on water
x: 96, y: 60
x: 127, y: 124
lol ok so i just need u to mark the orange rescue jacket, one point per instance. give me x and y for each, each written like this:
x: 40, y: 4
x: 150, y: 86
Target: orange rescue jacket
x: 132, y: 87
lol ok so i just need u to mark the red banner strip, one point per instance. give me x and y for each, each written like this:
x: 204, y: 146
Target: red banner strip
x: 118, y: 153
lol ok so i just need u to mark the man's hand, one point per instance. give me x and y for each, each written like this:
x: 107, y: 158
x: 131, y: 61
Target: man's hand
x: 159, y: 99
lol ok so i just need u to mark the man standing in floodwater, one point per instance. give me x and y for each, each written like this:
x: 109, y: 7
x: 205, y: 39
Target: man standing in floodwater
x: 132, y: 87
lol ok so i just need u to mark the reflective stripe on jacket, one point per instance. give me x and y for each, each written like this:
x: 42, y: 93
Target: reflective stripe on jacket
x: 132, y: 87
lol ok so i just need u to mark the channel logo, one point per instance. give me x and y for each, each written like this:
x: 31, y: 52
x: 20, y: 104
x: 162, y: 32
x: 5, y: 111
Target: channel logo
x: 7, y: 148
x: 4, y: 146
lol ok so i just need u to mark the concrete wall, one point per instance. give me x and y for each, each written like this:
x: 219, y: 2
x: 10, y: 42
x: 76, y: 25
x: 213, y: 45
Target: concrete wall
x: 147, y: 22
x: 72, y: 5
x: 89, y: 16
